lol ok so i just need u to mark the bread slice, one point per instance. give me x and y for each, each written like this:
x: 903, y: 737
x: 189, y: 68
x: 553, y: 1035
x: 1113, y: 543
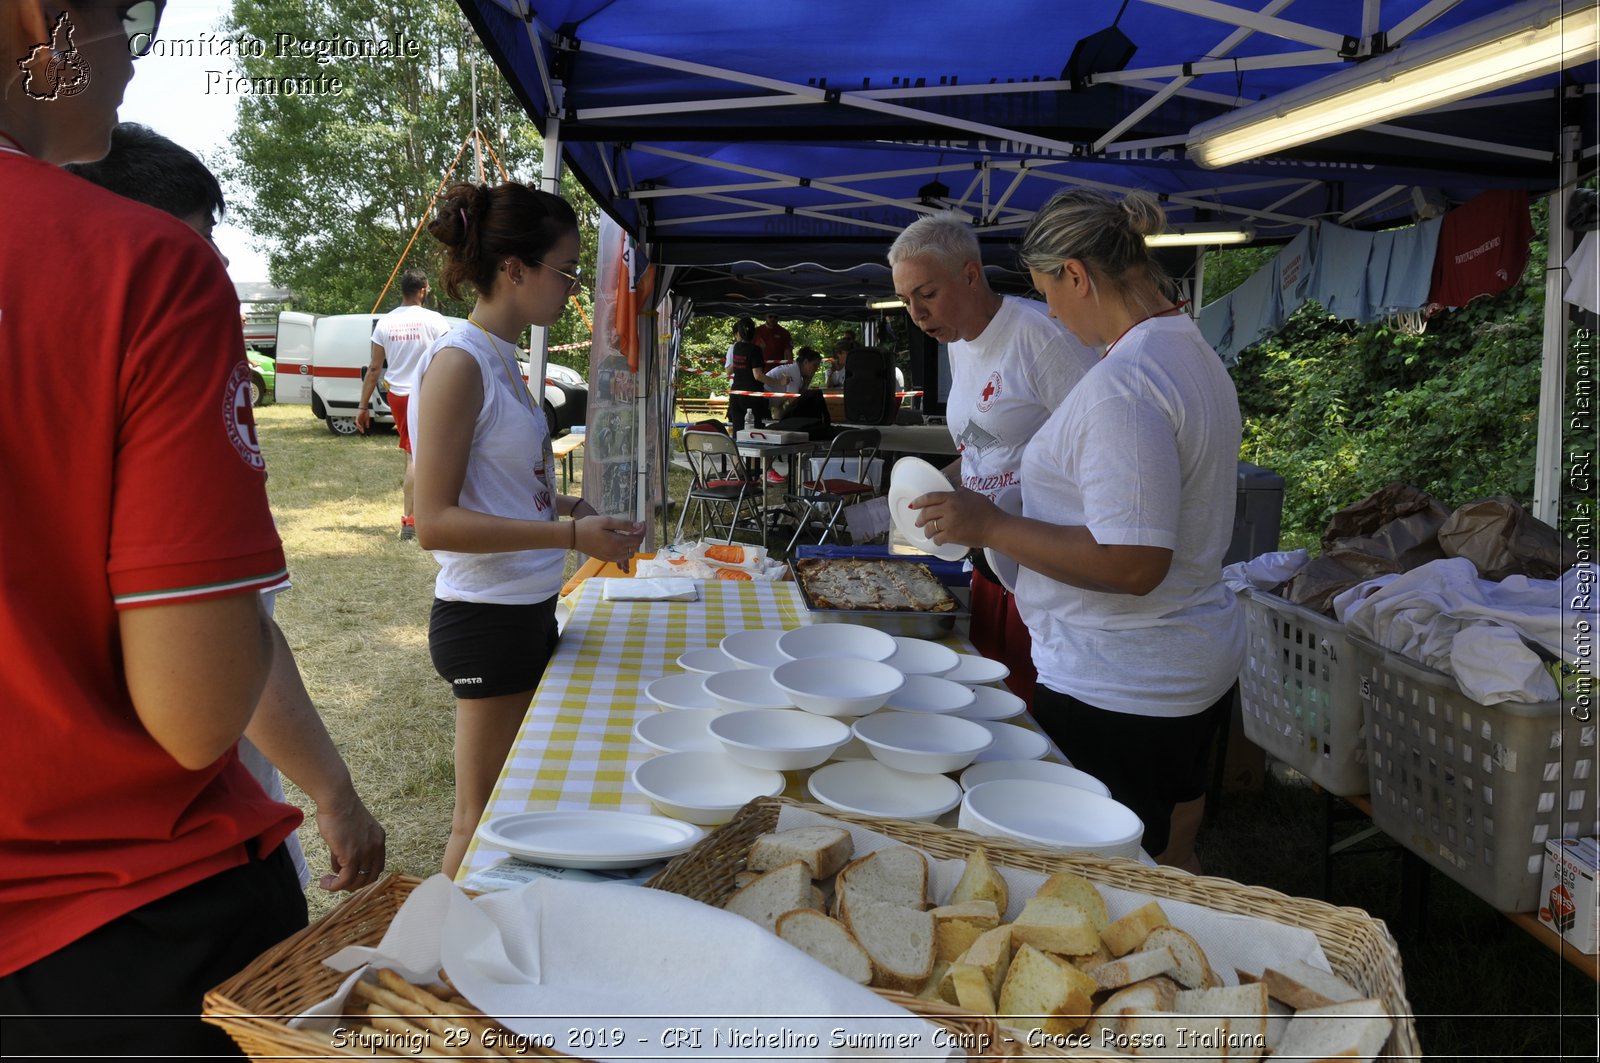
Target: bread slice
x: 1129, y: 932
x: 938, y: 985
x: 899, y: 940
x: 971, y: 987
x: 897, y: 875
x: 981, y: 882
x: 783, y: 889
x: 1135, y: 967
x: 1354, y: 1029
x: 1302, y: 986
x: 1046, y: 994
x: 1243, y: 1006
x: 1075, y: 889
x: 1169, y: 1035
x: 1055, y: 926
x: 957, y: 926
x: 1090, y: 960
x: 991, y: 954
x: 823, y: 849
x: 826, y: 940
x: 1194, y: 972
x: 1152, y: 994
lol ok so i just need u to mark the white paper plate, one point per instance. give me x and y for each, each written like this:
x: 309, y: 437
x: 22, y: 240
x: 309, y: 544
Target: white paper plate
x: 590, y: 838
x: 992, y: 703
x: 1013, y: 742
x: 921, y: 657
x: 755, y: 648
x: 1041, y: 770
x: 681, y: 690
x: 909, y: 479
x: 706, y: 661
x: 678, y: 731
x: 1005, y: 569
x: 866, y: 787
x: 975, y: 671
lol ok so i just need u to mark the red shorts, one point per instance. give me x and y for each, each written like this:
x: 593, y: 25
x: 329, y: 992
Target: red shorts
x: 997, y: 632
x: 397, y: 406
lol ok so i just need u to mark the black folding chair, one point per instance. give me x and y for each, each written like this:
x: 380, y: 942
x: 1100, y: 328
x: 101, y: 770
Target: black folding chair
x: 845, y: 478
x: 720, y: 483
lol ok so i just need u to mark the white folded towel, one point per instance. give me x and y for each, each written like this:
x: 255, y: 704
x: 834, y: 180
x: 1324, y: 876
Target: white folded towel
x: 651, y: 590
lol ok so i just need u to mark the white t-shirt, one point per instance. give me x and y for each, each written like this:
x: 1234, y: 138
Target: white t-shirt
x: 1004, y: 385
x: 1144, y: 452
x: 786, y: 377
x: 508, y: 474
x: 405, y: 334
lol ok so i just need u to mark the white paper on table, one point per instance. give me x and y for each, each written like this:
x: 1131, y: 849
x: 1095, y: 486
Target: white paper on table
x: 555, y: 957
x: 1230, y: 941
x: 651, y: 590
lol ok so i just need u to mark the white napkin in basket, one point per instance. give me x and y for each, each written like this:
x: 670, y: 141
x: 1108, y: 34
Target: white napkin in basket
x: 556, y: 957
x: 640, y: 589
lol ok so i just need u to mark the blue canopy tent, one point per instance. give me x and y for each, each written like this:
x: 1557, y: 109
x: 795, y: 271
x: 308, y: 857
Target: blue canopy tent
x: 767, y: 152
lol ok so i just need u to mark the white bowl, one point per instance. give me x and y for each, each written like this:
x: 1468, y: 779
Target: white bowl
x: 837, y: 686
x: 1013, y: 742
x: 868, y: 788
x: 992, y: 703
x: 678, y: 731
x: 1040, y: 770
x: 682, y: 690
x: 926, y: 693
x: 703, y: 788
x: 920, y: 743
x: 755, y: 648
x: 1052, y: 815
x: 707, y: 660
x: 921, y: 657
x: 746, y: 688
x: 780, y: 739
x: 975, y: 671
x: 837, y: 640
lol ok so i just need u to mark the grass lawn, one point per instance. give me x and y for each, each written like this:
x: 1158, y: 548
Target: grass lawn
x: 357, y: 620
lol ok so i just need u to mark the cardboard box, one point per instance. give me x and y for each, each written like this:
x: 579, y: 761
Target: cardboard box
x: 1568, y: 903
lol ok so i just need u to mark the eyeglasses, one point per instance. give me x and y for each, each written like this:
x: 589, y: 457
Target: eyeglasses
x: 574, y: 280
x: 140, y: 21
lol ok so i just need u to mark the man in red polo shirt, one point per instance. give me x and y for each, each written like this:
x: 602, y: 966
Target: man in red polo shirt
x: 140, y: 864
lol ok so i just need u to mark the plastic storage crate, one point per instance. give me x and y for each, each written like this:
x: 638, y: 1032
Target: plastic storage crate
x: 1299, y: 693
x: 1475, y: 790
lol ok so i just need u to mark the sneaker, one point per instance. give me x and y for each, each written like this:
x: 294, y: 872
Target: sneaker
x: 408, y: 529
x: 776, y: 477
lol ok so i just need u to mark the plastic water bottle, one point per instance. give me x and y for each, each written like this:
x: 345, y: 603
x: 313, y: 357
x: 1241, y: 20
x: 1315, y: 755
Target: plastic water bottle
x: 749, y: 420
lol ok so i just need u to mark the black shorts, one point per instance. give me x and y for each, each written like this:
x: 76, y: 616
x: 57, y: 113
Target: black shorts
x: 141, y: 977
x: 1152, y: 764
x: 487, y: 651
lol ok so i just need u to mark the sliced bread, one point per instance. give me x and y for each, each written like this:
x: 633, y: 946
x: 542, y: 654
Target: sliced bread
x: 1135, y: 967
x: 896, y: 875
x: 1045, y: 994
x: 899, y: 940
x: 828, y: 941
x: 1193, y: 972
x: 1354, y: 1029
x: 971, y: 988
x: 1243, y: 1006
x: 991, y: 953
x: 1152, y: 994
x: 1075, y: 889
x: 823, y: 849
x: 783, y: 889
x: 1056, y: 926
x: 981, y: 882
x: 1302, y: 986
x: 1128, y: 933
x: 957, y: 926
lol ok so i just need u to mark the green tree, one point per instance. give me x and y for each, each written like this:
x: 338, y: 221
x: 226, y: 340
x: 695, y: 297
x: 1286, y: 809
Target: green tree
x: 336, y: 182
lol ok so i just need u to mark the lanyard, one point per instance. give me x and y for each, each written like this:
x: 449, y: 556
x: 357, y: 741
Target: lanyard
x: 1142, y: 320
x: 511, y: 374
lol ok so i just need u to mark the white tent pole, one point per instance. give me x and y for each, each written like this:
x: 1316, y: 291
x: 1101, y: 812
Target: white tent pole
x: 549, y: 181
x: 1548, y: 461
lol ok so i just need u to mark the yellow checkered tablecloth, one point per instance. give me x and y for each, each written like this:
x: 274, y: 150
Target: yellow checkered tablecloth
x: 576, y: 747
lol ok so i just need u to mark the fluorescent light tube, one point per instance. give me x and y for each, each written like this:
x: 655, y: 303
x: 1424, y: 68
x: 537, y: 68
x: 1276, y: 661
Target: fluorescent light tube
x: 1523, y: 42
x: 1182, y: 237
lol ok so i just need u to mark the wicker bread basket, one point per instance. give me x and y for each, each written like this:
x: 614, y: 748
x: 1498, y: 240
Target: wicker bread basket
x: 254, y: 1006
x: 1359, y: 947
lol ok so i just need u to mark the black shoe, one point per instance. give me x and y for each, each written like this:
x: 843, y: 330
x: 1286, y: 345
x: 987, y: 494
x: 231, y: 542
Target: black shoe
x: 407, y: 531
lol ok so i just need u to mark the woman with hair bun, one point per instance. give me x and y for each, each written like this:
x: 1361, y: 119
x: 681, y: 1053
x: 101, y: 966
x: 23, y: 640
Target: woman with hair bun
x: 1127, y: 511
x: 485, y: 503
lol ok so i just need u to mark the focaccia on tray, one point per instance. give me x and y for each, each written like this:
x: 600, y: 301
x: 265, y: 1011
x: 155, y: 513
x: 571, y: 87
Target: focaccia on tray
x: 873, y: 583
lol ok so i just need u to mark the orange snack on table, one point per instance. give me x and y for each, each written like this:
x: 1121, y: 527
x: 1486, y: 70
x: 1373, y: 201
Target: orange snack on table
x: 728, y: 555
x: 733, y: 573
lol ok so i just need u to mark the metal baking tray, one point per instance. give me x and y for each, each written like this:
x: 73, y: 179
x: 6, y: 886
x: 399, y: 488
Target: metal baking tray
x: 895, y: 622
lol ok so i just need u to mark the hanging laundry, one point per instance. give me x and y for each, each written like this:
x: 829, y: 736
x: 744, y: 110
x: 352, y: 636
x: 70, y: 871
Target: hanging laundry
x: 1259, y: 307
x: 1583, y: 267
x: 1483, y: 247
x: 1365, y: 276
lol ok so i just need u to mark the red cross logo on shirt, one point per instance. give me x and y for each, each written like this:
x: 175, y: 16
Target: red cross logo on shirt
x: 990, y: 392
x: 236, y: 417
x: 241, y: 410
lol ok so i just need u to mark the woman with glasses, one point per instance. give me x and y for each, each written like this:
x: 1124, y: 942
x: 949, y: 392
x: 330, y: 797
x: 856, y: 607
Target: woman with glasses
x: 485, y: 501
x: 140, y: 864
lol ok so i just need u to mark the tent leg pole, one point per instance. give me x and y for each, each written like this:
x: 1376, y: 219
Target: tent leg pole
x: 1548, y: 459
